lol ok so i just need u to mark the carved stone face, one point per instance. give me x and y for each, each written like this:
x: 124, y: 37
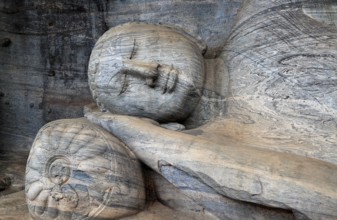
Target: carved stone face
x: 147, y: 70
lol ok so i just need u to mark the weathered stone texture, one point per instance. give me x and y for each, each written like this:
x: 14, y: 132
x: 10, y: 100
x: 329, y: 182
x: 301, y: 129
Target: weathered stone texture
x: 43, y: 75
x: 45, y: 48
x: 267, y: 145
x: 232, y: 169
x: 147, y: 70
x: 283, y: 79
x: 211, y: 20
x: 77, y: 170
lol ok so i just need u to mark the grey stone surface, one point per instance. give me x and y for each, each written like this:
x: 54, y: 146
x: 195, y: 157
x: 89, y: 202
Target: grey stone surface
x: 264, y: 128
x: 232, y: 168
x: 147, y: 70
x: 199, y: 195
x: 211, y: 20
x: 272, y: 99
x: 45, y: 48
x: 77, y: 170
x: 43, y: 69
x: 282, y: 69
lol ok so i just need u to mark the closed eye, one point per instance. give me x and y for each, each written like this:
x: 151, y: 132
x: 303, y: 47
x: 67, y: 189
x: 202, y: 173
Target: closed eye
x: 125, y: 83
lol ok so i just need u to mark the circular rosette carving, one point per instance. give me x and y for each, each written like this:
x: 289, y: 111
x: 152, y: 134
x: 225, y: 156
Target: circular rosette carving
x: 77, y: 170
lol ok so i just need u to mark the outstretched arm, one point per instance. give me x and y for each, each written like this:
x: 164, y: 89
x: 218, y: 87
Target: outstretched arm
x: 249, y: 174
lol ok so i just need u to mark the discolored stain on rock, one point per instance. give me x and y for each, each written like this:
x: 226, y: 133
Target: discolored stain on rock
x: 5, y: 42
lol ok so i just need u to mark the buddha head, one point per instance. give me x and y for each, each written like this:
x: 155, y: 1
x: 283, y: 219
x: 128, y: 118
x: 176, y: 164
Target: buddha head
x: 148, y: 71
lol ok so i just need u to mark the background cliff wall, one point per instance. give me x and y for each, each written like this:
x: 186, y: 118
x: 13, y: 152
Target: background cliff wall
x: 45, y: 47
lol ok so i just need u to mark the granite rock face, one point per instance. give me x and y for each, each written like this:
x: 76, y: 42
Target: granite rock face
x: 281, y: 63
x: 232, y: 169
x: 255, y: 137
x: 45, y: 48
x: 44, y: 55
x: 276, y: 80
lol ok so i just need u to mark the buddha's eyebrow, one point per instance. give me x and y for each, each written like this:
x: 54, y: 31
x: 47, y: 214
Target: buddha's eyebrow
x: 133, y: 52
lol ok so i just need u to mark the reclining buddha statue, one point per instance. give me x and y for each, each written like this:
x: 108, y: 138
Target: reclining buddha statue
x: 249, y: 134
